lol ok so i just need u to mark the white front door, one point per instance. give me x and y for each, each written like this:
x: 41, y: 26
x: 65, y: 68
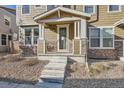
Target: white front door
x: 62, y: 38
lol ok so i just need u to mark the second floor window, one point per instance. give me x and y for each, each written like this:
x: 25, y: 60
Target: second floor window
x: 67, y: 6
x: 89, y: 9
x: 7, y: 22
x: 25, y: 9
x: 37, y: 5
x: 113, y: 8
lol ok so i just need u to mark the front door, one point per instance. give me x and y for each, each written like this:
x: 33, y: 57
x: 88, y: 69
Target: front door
x: 62, y: 39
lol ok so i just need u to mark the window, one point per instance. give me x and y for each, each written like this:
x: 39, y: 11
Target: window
x: 31, y: 36
x: 67, y: 6
x: 41, y: 6
x: 25, y: 9
x: 3, y: 39
x: 6, y: 22
x: 95, y: 37
x: 36, y: 35
x: 28, y: 36
x: 114, y: 8
x: 89, y: 9
x: 50, y: 7
x: 37, y: 5
x: 9, y: 37
x: 101, y: 37
x: 107, y: 37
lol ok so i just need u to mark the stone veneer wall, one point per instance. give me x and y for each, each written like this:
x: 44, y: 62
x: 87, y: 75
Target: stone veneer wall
x: 119, y: 48
x: 103, y: 53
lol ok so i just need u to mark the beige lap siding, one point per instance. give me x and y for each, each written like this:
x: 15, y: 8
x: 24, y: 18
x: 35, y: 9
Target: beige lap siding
x: 76, y: 47
x: 102, y: 53
x: 119, y: 33
x: 51, y: 33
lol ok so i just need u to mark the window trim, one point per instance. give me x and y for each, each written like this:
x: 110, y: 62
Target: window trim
x: 101, y: 36
x: 120, y: 8
x: 26, y: 13
x: 8, y: 19
x: 32, y: 36
x: 7, y: 41
x: 40, y: 7
x: 94, y: 9
x: 37, y: 7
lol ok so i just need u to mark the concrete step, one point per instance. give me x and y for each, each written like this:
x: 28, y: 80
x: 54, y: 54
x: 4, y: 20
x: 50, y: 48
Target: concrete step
x: 60, y: 59
x: 51, y: 74
x: 55, y: 68
x: 54, y: 65
x: 46, y: 71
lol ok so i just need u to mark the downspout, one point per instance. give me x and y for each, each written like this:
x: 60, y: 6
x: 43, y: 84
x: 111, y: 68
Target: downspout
x: 97, y: 15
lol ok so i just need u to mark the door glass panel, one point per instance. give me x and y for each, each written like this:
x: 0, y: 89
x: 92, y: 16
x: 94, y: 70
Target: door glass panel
x: 62, y: 38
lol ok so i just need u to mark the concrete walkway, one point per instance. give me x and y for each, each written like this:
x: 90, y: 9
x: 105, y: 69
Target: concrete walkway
x: 54, y: 72
x: 38, y: 85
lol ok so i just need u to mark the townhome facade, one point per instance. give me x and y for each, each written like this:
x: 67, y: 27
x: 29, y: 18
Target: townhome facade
x: 8, y: 27
x: 75, y: 31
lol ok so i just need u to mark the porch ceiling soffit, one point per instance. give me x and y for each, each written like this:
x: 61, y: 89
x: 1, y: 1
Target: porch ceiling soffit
x: 118, y: 23
x: 58, y: 9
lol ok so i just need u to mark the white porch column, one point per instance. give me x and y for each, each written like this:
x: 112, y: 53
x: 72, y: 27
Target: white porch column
x: 83, y: 28
x: 76, y: 29
x: 41, y: 31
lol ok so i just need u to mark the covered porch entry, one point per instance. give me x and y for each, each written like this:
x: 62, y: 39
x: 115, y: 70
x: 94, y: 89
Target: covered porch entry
x: 62, y: 32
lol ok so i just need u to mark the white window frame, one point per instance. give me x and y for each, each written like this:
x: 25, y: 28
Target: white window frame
x: 101, y: 38
x: 94, y: 9
x: 26, y: 13
x: 6, y: 39
x: 114, y: 11
x: 9, y: 19
x: 32, y: 36
x: 41, y: 7
x: 37, y: 7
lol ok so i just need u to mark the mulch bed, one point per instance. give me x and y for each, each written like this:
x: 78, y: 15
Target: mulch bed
x: 77, y: 76
x: 24, y: 70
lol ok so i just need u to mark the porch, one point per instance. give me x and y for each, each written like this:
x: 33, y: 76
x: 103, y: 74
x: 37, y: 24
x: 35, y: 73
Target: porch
x: 62, y: 32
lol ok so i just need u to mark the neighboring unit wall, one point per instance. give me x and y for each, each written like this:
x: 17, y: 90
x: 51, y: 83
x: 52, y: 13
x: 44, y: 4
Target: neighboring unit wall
x: 5, y: 29
x: 105, y: 18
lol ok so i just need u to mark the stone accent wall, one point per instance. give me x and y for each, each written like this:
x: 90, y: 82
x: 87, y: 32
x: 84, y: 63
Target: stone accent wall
x: 103, y: 53
x: 119, y: 48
